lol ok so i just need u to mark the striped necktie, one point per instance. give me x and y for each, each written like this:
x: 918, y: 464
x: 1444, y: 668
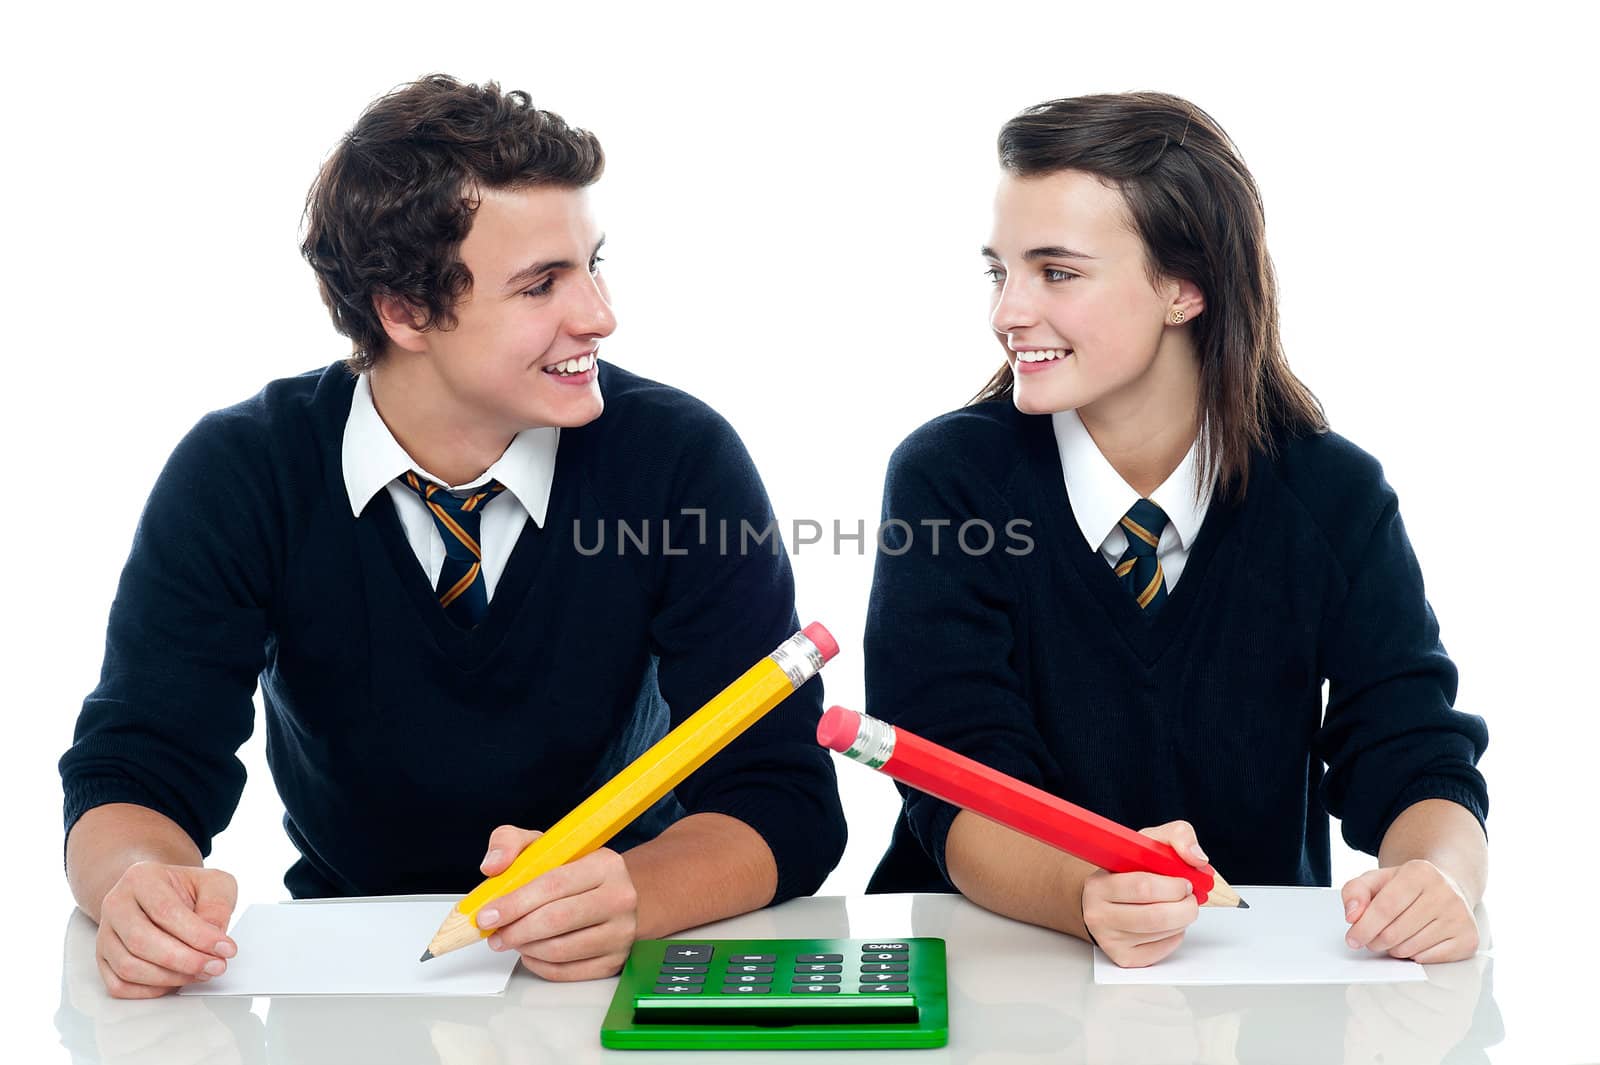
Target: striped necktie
x: 1139, y: 569
x: 463, y: 592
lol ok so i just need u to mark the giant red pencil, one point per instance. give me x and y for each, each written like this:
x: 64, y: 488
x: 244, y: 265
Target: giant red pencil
x: 971, y: 785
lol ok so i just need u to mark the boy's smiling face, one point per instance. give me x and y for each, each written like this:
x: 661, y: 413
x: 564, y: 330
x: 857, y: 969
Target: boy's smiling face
x: 536, y: 310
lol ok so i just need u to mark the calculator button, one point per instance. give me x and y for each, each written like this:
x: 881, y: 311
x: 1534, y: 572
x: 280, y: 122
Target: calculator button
x: 676, y: 989
x: 817, y: 968
x: 683, y: 968
x: 814, y: 989
x: 754, y: 959
x: 749, y: 968
x: 883, y: 989
x: 883, y: 966
x: 747, y: 989
x: 883, y: 978
x: 681, y: 978
x: 884, y: 956
x: 747, y: 978
x: 829, y: 957
x: 885, y: 946
x: 692, y: 953
x: 816, y: 978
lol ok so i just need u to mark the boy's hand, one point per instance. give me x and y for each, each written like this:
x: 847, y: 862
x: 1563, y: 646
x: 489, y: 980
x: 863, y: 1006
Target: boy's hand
x: 164, y: 926
x: 576, y: 922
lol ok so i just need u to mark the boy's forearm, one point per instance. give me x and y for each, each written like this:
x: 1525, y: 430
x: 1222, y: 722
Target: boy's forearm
x: 108, y: 839
x: 703, y: 868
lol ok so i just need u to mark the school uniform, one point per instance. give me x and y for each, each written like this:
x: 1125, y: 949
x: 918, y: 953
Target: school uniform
x: 1034, y: 658
x: 278, y: 545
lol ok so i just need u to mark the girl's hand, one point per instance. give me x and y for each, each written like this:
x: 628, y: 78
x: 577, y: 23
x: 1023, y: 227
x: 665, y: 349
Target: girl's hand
x: 1411, y: 911
x: 1140, y: 918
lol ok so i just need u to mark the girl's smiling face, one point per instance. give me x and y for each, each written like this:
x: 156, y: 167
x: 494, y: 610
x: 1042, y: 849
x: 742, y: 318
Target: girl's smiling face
x: 1074, y: 306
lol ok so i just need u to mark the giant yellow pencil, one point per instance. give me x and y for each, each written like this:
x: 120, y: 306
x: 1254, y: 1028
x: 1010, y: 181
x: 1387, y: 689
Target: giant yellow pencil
x: 648, y: 777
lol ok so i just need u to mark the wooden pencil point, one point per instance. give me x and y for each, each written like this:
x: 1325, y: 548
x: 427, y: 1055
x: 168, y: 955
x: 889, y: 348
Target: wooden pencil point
x: 427, y: 955
x: 456, y: 932
x: 1223, y: 895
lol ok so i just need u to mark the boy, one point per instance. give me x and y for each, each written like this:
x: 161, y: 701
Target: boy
x: 405, y: 555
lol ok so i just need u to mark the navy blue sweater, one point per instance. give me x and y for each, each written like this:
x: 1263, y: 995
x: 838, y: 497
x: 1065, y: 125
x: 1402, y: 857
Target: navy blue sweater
x: 399, y: 741
x: 1032, y: 658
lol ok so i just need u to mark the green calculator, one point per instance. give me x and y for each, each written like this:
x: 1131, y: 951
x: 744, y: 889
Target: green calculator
x: 775, y: 994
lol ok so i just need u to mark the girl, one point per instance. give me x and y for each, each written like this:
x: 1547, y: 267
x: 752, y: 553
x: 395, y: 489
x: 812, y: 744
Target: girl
x: 1188, y: 554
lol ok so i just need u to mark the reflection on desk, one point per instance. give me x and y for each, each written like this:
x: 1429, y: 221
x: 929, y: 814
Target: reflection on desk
x: 1017, y: 993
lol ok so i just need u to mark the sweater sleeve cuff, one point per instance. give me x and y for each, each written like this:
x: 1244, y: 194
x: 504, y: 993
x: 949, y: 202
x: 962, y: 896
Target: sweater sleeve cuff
x: 1453, y: 789
x: 84, y: 795
x: 804, y: 848
x: 930, y: 820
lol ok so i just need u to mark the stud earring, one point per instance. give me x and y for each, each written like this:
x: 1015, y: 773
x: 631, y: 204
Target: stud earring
x: 1177, y: 317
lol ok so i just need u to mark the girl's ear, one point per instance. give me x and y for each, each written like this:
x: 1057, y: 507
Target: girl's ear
x: 1187, y: 299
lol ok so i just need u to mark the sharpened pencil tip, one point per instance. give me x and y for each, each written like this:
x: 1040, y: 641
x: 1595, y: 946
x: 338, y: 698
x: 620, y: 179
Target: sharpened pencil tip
x: 1243, y: 905
x: 427, y: 955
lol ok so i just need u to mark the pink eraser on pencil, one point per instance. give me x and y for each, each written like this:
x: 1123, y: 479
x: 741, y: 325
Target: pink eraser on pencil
x: 838, y: 727
x: 821, y: 639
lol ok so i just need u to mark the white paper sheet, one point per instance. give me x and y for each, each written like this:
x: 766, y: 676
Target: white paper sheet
x: 1289, y: 935
x: 353, y: 947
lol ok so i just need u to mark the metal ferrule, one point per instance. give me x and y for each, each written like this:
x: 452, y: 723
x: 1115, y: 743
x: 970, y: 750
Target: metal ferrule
x: 874, y: 744
x: 799, y: 658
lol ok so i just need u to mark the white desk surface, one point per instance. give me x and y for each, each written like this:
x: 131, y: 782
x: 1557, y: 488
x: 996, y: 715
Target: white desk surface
x: 1017, y: 994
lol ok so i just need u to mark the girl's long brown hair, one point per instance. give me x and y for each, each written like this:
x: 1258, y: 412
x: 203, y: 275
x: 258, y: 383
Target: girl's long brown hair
x: 1199, y: 213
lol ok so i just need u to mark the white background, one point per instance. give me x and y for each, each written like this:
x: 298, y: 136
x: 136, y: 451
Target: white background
x: 794, y: 200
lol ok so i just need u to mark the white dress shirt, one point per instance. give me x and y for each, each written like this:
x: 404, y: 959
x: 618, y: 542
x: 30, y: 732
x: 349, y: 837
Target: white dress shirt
x: 1101, y: 498
x: 373, y: 459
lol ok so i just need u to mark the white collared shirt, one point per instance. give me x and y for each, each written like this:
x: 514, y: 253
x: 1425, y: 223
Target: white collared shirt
x: 1100, y: 498
x: 373, y: 459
